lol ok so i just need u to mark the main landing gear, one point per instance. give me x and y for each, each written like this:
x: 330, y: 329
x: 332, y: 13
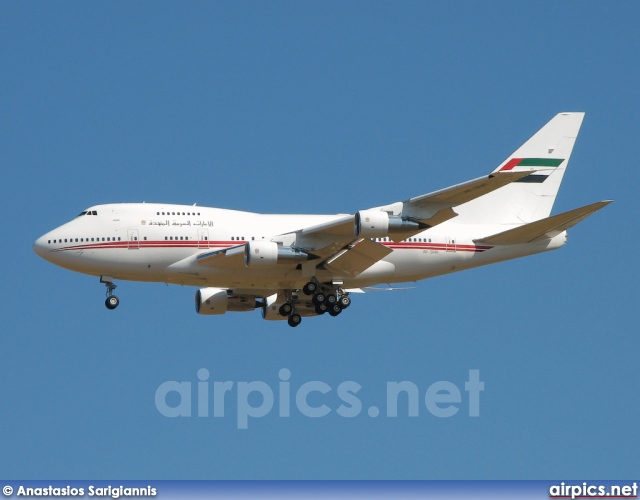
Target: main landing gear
x: 332, y: 302
x: 324, y: 299
x: 112, y: 301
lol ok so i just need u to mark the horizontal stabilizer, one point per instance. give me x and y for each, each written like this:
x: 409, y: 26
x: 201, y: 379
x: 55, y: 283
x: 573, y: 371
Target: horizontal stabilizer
x: 545, y: 228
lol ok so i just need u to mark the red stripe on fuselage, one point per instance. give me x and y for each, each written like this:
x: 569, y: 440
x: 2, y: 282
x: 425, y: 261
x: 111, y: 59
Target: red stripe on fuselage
x: 202, y: 245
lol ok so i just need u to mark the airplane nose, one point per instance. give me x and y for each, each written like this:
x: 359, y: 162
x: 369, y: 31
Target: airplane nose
x: 40, y: 245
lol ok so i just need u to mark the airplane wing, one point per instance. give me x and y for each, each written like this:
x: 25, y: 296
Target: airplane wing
x: 232, y: 257
x: 467, y: 191
x: 338, y: 245
x: 544, y: 228
x: 341, y: 228
x: 428, y: 209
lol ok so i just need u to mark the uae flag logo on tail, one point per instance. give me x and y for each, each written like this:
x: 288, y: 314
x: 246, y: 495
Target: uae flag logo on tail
x: 542, y: 166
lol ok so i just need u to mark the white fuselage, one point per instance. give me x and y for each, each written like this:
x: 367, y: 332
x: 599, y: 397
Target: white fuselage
x: 159, y: 243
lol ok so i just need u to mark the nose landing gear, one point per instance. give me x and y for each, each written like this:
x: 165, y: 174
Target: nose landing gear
x: 112, y: 301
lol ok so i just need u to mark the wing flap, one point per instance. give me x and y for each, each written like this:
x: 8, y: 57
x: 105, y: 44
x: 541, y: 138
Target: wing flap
x: 544, y: 228
x: 357, y: 258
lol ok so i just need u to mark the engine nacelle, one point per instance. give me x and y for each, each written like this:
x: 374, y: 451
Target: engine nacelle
x: 378, y: 224
x: 271, y: 308
x: 371, y: 223
x: 268, y: 253
x: 211, y: 301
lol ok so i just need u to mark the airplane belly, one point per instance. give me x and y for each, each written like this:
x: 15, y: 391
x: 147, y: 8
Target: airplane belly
x: 428, y: 261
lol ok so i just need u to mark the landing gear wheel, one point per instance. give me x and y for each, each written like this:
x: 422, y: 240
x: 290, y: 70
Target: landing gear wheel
x: 285, y: 309
x: 331, y: 299
x: 112, y: 302
x: 319, y: 298
x: 294, y: 320
x: 345, y: 302
x: 334, y: 309
x: 321, y: 309
x: 310, y: 288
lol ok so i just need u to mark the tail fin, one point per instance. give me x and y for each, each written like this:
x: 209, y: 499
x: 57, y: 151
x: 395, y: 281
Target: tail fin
x: 530, y: 198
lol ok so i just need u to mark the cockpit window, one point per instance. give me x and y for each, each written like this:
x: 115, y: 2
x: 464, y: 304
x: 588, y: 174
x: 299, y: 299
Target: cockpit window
x: 88, y: 212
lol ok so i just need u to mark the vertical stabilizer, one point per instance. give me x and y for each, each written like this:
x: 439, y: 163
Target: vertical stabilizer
x: 531, y: 198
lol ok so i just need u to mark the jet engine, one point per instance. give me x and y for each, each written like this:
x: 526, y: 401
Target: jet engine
x: 268, y: 254
x: 219, y: 301
x: 211, y: 301
x: 378, y: 224
x: 271, y: 308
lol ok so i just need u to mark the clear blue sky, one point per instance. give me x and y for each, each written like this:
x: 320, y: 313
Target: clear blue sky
x: 318, y: 107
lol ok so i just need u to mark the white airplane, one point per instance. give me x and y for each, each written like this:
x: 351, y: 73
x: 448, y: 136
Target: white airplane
x: 292, y: 266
